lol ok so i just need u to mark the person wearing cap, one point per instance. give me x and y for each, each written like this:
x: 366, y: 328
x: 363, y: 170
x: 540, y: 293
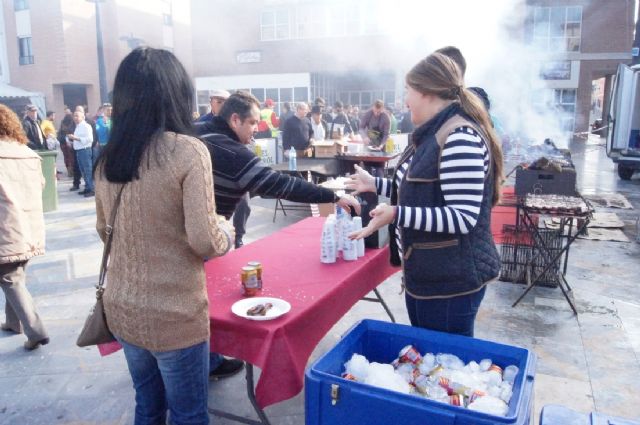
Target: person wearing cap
x: 269, y: 122
x: 318, y: 125
x: 339, y: 121
x: 32, y: 129
x: 216, y: 100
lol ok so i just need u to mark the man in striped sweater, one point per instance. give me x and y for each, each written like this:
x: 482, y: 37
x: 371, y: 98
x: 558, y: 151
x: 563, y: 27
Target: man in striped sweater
x: 237, y: 170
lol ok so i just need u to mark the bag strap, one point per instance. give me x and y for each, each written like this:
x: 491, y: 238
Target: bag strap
x: 107, y: 244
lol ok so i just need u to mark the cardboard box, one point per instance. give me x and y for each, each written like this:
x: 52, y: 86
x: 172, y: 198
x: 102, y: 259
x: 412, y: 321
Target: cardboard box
x: 329, y: 148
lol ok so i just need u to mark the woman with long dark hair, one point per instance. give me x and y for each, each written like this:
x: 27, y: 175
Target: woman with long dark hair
x: 155, y: 299
x: 444, y: 187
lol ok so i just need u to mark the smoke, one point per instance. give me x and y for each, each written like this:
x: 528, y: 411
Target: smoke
x: 492, y: 37
x: 490, y: 34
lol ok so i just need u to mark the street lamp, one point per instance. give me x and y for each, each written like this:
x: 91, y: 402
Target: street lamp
x: 102, y: 72
x: 132, y: 41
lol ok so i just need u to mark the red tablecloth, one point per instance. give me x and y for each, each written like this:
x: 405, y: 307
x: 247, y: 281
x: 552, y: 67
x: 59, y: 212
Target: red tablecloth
x: 320, y: 294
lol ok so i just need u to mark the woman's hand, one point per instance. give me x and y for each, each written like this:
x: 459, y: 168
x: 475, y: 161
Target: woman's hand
x: 228, y: 228
x: 381, y: 216
x: 347, y: 201
x: 361, y: 181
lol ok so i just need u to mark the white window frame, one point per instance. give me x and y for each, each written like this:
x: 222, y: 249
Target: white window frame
x: 546, y: 41
x: 275, y: 25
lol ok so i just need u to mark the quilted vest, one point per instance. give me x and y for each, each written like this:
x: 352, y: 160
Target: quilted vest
x: 442, y: 265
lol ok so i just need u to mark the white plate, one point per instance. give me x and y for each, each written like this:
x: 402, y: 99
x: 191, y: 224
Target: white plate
x: 280, y: 307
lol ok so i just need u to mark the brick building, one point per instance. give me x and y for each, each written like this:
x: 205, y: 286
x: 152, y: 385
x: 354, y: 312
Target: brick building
x: 348, y: 50
x: 50, y: 45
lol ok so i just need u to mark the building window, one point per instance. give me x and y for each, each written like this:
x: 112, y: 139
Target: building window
x: 311, y: 21
x: 557, y: 29
x: 274, y: 25
x: 556, y: 70
x: 20, y: 5
x: 559, y: 103
x: 167, y: 19
x: 25, y: 51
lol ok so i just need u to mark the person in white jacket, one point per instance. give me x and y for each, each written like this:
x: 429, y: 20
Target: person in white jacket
x: 21, y: 228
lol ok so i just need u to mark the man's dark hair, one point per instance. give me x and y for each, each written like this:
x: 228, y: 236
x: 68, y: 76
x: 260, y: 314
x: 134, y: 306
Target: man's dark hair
x: 152, y: 93
x: 240, y: 103
x: 455, y: 54
x: 378, y: 104
x: 50, y: 113
x: 316, y: 109
x: 338, y: 104
x: 482, y: 94
x: 319, y: 101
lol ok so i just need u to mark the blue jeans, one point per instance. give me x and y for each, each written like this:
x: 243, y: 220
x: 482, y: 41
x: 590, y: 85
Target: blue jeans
x: 95, y: 152
x: 86, y: 167
x: 177, y: 380
x: 455, y: 315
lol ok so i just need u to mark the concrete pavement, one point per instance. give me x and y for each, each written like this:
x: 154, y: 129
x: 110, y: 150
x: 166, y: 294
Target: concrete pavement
x: 586, y: 362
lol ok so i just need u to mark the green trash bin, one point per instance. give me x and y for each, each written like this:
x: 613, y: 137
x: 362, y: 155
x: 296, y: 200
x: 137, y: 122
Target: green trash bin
x: 50, y: 191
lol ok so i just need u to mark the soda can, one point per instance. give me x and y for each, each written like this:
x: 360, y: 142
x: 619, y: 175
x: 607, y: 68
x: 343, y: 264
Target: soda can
x: 409, y: 355
x: 476, y: 393
x: 496, y: 368
x: 456, y: 400
x: 258, y: 266
x: 446, y: 384
x: 349, y: 377
x: 249, y: 279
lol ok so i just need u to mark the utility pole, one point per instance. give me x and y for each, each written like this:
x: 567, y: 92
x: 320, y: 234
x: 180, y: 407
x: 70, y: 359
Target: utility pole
x: 102, y: 72
x: 636, y: 42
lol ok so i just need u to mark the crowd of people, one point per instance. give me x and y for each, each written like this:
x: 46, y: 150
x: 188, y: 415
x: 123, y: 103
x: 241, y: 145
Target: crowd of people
x: 166, y: 188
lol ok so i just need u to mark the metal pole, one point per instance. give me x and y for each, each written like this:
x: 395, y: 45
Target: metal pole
x: 102, y: 72
x: 636, y: 42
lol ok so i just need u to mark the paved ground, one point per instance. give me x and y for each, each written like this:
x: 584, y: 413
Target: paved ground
x: 586, y: 362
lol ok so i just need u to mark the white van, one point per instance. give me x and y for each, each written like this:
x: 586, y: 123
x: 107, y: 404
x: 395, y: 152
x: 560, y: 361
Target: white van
x: 623, y: 139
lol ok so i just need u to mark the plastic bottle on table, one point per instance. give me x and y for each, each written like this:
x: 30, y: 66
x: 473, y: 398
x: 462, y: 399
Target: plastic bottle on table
x: 328, y: 252
x: 357, y: 225
x: 349, y: 247
x: 293, y: 165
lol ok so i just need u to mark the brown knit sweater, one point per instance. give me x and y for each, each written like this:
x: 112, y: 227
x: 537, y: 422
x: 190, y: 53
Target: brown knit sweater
x: 166, y: 224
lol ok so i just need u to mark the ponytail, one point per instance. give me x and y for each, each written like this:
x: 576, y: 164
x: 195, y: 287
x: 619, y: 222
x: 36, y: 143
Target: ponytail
x: 473, y: 106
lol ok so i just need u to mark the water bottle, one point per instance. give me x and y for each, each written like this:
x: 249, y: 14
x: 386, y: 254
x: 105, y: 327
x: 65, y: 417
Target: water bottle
x: 328, y: 246
x: 357, y: 226
x: 293, y: 166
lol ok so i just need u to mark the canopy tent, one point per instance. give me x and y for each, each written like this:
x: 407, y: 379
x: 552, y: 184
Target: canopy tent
x: 17, y: 98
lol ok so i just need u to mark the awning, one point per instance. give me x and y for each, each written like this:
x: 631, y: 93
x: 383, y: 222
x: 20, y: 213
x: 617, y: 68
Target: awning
x: 10, y: 92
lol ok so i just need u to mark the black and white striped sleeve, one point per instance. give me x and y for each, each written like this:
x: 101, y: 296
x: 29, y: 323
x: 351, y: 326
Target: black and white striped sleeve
x: 463, y: 166
x: 383, y: 186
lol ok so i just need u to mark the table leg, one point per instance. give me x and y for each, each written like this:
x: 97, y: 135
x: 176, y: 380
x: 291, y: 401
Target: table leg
x: 550, y: 260
x: 380, y: 300
x: 252, y: 398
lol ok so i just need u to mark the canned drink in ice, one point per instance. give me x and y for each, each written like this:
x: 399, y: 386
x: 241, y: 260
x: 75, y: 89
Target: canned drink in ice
x: 349, y: 376
x: 456, y: 400
x: 495, y: 368
x: 258, y: 266
x: 446, y: 384
x: 249, y: 279
x: 409, y: 355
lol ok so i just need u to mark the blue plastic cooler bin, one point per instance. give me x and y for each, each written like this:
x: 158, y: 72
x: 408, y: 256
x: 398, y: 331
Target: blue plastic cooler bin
x: 559, y: 415
x: 357, y: 403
